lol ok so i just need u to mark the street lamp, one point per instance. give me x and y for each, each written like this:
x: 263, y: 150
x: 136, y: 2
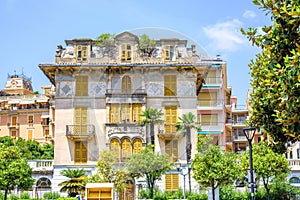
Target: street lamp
x: 249, y: 133
x: 183, y: 171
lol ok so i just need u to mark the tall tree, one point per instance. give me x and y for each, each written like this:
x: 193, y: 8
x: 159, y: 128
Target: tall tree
x: 267, y: 165
x: 76, y: 182
x: 275, y: 73
x: 14, y: 170
x: 213, y: 167
x: 148, y: 164
x: 185, y: 124
x: 146, y: 45
x: 108, y: 172
x: 151, y: 117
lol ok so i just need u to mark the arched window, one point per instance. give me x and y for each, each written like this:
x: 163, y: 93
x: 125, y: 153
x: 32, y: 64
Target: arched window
x: 43, y: 183
x: 136, y: 145
x: 126, y: 149
x: 115, y: 147
x: 294, y: 180
x: 126, y: 85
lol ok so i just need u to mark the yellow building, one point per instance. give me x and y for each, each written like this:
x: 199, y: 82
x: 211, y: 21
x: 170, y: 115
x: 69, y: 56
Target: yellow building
x: 101, y: 90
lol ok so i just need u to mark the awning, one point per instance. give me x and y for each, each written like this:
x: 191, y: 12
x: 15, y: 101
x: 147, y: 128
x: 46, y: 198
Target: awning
x: 27, y: 102
x: 42, y: 100
x: 209, y: 132
x: 13, y: 101
x: 45, y: 116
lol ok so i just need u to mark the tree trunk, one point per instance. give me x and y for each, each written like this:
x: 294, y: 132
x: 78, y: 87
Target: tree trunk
x: 268, y: 193
x: 188, y: 153
x: 5, y: 194
x: 213, y: 192
x: 152, y: 133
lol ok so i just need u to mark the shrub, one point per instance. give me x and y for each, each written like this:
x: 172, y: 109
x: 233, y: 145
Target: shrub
x: 13, y: 197
x: 51, y: 195
x: 24, y: 195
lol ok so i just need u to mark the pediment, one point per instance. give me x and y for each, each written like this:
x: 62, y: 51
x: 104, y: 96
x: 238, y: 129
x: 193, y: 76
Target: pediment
x: 126, y: 36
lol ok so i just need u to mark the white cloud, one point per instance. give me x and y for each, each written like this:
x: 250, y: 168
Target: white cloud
x: 249, y: 14
x: 225, y: 36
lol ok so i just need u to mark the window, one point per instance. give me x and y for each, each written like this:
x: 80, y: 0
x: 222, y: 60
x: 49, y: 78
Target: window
x: 115, y: 147
x: 126, y: 85
x: 209, y: 119
x: 207, y: 99
x: 170, y: 119
x: 46, y: 133
x: 14, y: 134
x: 126, y: 149
x: 81, y: 53
x: 291, y: 154
x: 126, y: 53
x: 81, y: 86
x: 211, y: 77
x: 171, y: 182
x: 170, y: 85
x: 298, y: 153
x: 171, y: 148
x: 30, y: 119
x: 121, y: 113
x: 168, y: 52
x: 137, y: 145
x: 80, y: 155
x: 29, y: 134
x: 294, y: 180
x: 14, y: 120
x: 81, y: 120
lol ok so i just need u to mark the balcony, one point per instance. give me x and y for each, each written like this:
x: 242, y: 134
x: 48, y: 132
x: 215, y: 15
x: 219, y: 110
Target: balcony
x: 239, y: 138
x: 212, y: 126
x: 168, y: 131
x: 210, y: 104
x: 80, y: 131
x: 117, y: 95
x: 294, y: 164
x: 13, y: 125
x: 130, y: 129
x: 44, y: 167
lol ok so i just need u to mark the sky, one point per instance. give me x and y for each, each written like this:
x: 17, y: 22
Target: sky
x: 31, y: 30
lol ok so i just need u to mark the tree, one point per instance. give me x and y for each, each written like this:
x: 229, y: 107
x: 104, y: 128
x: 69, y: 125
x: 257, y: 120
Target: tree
x: 151, y: 117
x: 148, y: 164
x: 267, y: 165
x: 106, y: 42
x: 107, y: 172
x: 146, y: 45
x: 76, y: 182
x: 275, y: 73
x: 185, y: 124
x: 213, y: 167
x: 14, y: 170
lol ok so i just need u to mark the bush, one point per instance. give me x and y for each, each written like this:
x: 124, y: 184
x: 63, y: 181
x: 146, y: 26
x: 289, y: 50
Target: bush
x: 13, y: 197
x: 51, y: 195
x: 24, y: 195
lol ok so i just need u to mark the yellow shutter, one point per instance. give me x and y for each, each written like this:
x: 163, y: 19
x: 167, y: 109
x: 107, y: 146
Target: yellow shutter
x: 14, y: 120
x: 170, y: 85
x: 81, y: 53
x: 209, y: 119
x: 126, y: 85
x: 166, y: 51
x: 125, y: 113
x: 126, y: 149
x: 115, y: 147
x: 207, y: 99
x: 114, y: 113
x: 80, y: 154
x: 46, y: 133
x: 29, y: 137
x: 136, y: 111
x: 81, y: 86
x: 14, y: 134
x: 171, y: 182
x: 81, y: 120
x: 126, y: 52
x: 170, y: 119
x: 137, y: 145
x: 211, y: 77
x: 171, y: 148
x: 30, y: 119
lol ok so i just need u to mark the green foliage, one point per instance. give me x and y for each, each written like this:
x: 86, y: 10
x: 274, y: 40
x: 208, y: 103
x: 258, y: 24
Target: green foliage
x: 13, y: 197
x: 51, y: 195
x: 24, y: 195
x: 268, y: 165
x: 67, y: 198
x: 30, y: 149
x: 275, y: 73
x: 213, y: 167
x: 146, y: 45
x: 107, y: 173
x: 76, y: 182
x: 229, y: 193
x: 105, y: 39
x: 148, y: 164
x: 14, y: 170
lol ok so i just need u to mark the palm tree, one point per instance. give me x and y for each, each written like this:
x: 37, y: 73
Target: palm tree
x: 151, y: 117
x: 76, y: 182
x: 185, y: 124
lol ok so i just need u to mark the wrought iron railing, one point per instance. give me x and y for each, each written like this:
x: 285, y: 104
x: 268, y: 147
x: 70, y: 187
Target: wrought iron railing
x: 80, y: 130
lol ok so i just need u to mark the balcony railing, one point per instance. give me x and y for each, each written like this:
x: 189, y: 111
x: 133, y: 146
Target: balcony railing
x: 213, y: 80
x: 80, y: 130
x: 294, y: 164
x: 13, y: 125
x: 210, y: 103
x: 41, y: 166
x: 128, y: 128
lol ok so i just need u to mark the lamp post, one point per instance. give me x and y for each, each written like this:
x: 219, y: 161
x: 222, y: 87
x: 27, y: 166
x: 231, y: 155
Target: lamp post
x: 249, y: 133
x: 183, y: 171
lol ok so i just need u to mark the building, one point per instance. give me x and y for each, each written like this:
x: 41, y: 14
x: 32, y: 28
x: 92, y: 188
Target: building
x: 102, y: 89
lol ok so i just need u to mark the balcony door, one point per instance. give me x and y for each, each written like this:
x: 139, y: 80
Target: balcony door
x: 81, y: 120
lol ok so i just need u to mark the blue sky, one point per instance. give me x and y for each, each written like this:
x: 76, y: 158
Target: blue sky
x: 32, y: 29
